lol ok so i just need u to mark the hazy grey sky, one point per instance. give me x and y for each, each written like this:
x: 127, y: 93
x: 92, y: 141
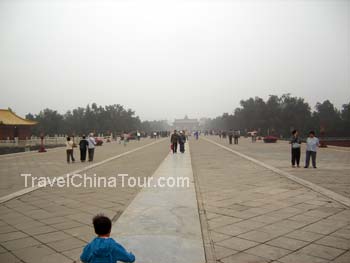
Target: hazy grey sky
x: 165, y: 59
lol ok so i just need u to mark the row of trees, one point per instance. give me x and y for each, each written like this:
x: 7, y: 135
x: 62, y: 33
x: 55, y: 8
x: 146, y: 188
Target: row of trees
x: 279, y: 115
x: 108, y: 119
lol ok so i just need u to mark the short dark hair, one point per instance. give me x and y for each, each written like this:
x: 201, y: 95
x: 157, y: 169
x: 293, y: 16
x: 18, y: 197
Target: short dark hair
x: 68, y: 138
x: 312, y: 132
x: 294, y: 132
x: 102, y: 224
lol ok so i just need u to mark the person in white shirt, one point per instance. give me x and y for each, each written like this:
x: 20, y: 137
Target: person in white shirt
x: 91, y: 147
x: 311, y: 149
x: 69, y: 150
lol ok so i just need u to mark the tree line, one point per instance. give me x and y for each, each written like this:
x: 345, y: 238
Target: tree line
x: 279, y: 115
x: 93, y: 118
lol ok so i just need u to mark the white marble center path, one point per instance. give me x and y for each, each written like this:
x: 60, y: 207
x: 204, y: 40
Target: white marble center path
x: 162, y: 224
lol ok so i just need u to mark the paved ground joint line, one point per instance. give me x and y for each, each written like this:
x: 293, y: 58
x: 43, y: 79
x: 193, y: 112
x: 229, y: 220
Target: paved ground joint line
x: 24, y: 191
x: 330, y: 194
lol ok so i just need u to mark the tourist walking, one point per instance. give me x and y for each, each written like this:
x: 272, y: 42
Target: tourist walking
x: 182, y: 141
x: 174, y: 139
x: 125, y: 138
x: 296, y: 148
x: 69, y: 150
x: 230, y: 136
x: 83, y: 146
x: 236, y: 135
x: 91, y: 147
x: 311, y: 149
x: 138, y: 134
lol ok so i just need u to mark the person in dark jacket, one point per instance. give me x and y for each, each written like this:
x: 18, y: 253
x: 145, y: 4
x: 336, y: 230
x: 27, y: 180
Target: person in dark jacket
x: 296, y: 148
x: 182, y: 141
x: 83, y: 146
x: 174, y: 139
x: 103, y: 249
x: 230, y: 136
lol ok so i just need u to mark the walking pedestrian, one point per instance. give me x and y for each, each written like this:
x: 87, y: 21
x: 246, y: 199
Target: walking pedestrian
x: 296, y: 148
x: 236, y: 135
x: 91, y: 146
x: 182, y: 141
x: 69, y: 150
x: 83, y: 146
x: 230, y: 136
x: 311, y: 149
x: 174, y: 140
x: 125, y: 138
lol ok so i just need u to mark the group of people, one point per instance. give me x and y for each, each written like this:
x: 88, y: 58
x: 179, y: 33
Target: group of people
x: 312, y: 143
x: 233, y: 134
x: 178, y: 138
x: 86, y: 146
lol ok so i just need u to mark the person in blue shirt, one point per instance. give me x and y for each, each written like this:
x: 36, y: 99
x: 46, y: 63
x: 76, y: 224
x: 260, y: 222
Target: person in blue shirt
x: 103, y: 249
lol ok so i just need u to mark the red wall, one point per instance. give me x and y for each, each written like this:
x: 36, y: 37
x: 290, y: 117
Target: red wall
x: 8, y: 131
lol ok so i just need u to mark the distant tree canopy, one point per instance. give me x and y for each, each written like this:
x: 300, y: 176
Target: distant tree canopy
x: 112, y: 118
x: 280, y: 115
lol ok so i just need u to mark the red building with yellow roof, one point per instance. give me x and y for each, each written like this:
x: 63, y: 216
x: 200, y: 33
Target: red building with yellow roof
x: 13, y: 126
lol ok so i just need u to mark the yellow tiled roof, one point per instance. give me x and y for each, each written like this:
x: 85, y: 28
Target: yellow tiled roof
x: 7, y: 117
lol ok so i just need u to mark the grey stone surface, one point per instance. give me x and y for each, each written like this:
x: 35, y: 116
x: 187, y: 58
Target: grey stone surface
x: 165, y: 218
x: 293, y: 223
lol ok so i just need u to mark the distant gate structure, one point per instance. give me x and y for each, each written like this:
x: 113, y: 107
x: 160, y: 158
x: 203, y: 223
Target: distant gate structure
x: 13, y: 126
x: 186, y: 124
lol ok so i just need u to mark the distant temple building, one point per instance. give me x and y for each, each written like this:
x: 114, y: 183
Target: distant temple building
x: 186, y: 124
x: 13, y: 126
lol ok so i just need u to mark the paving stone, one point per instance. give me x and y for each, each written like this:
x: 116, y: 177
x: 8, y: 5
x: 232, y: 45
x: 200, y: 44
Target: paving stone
x: 9, y: 258
x: 2, y: 249
x: 11, y: 236
x: 53, y: 236
x: 246, y: 258
x: 33, y: 254
x: 322, y: 227
x: 66, y: 225
x: 231, y: 230
x: 66, y: 244
x: 333, y: 241
x: 304, y: 235
x: 216, y: 237
x: 29, y: 224
x: 297, y: 257
x: 39, y: 230
x: 342, y: 233
x: 73, y: 254
x: 222, y: 221
x: 287, y: 243
x: 20, y: 243
x: 321, y: 251
x: 344, y: 258
x: 267, y: 251
x: 222, y: 252
x: 6, y: 229
x: 54, y: 258
x: 238, y: 244
x: 276, y: 230
x: 258, y: 236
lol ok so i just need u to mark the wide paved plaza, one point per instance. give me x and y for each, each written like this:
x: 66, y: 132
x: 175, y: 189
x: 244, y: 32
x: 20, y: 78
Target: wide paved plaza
x: 244, y: 203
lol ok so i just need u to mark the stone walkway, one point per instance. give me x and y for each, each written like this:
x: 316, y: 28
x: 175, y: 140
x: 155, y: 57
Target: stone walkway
x: 251, y: 214
x: 162, y: 223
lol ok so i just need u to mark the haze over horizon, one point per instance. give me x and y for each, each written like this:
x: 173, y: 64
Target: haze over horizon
x: 167, y: 59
